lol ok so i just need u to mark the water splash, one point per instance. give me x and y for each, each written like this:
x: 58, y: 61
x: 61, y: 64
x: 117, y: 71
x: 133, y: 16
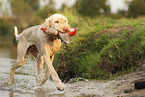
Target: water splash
x: 77, y: 79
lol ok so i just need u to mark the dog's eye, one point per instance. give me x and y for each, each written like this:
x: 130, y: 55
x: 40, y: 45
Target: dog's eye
x: 56, y: 21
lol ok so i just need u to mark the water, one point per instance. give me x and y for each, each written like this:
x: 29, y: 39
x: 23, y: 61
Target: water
x: 25, y: 77
x: 25, y: 80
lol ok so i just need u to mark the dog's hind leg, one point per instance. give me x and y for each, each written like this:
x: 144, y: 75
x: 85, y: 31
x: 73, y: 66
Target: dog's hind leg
x: 40, y: 62
x: 41, y: 80
x: 39, y: 59
x: 46, y: 77
x: 21, y: 51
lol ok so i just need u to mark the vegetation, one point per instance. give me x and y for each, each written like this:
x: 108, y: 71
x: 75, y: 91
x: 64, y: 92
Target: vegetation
x: 136, y: 8
x: 102, y: 48
x: 92, y: 7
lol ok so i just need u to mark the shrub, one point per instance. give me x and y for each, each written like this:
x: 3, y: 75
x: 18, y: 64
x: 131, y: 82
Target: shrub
x: 102, y: 49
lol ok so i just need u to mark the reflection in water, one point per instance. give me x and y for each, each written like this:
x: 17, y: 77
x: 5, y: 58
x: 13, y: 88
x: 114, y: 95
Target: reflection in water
x: 40, y: 93
x: 11, y: 94
x: 15, y: 94
x: 37, y: 94
x: 7, y: 48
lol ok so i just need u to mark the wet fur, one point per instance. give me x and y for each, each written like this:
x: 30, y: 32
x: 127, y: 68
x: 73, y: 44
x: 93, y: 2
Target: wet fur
x: 43, y: 47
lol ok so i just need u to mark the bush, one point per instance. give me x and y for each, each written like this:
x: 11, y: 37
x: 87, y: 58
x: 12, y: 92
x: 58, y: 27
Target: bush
x: 102, y: 48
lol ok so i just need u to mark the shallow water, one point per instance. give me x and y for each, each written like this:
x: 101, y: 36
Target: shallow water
x: 25, y: 77
x: 25, y: 80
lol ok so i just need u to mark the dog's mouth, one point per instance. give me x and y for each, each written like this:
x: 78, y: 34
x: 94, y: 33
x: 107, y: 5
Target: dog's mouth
x: 64, y: 30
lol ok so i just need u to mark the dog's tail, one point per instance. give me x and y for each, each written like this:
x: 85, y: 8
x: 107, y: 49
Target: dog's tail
x: 16, y: 32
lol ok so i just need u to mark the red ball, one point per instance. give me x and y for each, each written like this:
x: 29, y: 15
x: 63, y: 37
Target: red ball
x: 72, y: 31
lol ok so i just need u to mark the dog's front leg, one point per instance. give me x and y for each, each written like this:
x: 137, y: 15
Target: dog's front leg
x: 57, y: 81
x: 53, y: 73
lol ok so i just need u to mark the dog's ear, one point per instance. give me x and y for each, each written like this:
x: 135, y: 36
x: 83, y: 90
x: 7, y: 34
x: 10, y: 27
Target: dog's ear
x: 47, y: 22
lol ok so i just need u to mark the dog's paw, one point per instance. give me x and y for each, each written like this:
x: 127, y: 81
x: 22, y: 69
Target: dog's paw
x: 60, y: 87
x: 10, y: 82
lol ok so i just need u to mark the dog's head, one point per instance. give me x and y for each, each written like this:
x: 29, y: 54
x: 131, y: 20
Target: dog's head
x: 58, y: 21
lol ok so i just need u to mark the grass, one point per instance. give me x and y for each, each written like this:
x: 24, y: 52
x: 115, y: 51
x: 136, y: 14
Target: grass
x: 102, y: 48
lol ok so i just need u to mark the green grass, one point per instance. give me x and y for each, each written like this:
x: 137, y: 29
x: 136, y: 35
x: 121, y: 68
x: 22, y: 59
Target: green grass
x: 102, y: 48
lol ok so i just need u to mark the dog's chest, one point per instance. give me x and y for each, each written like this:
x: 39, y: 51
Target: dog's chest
x: 56, y: 45
x: 52, y: 44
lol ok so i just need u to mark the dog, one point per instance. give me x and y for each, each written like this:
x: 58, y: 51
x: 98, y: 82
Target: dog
x: 43, y: 47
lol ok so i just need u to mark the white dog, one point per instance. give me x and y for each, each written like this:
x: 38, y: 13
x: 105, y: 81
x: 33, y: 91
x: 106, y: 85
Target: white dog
x: 33, y: 40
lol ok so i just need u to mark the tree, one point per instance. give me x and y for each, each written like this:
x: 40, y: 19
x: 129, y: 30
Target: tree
x: 136, y: 8
x: 92, y: 7
x: 47, y: 10
x: 20, y: 8
x: 33, y: 3
x: 63, y: 7
x: 23, y: 11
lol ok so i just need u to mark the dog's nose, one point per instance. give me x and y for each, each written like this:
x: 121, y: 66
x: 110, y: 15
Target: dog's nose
x: 66, y: 29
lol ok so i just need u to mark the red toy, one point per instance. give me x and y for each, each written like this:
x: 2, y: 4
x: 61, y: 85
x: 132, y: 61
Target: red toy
x: 71, y: 33
x: 43, y: 29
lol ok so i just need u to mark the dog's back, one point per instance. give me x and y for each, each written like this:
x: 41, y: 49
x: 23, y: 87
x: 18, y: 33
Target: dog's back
x: 28, y: 34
